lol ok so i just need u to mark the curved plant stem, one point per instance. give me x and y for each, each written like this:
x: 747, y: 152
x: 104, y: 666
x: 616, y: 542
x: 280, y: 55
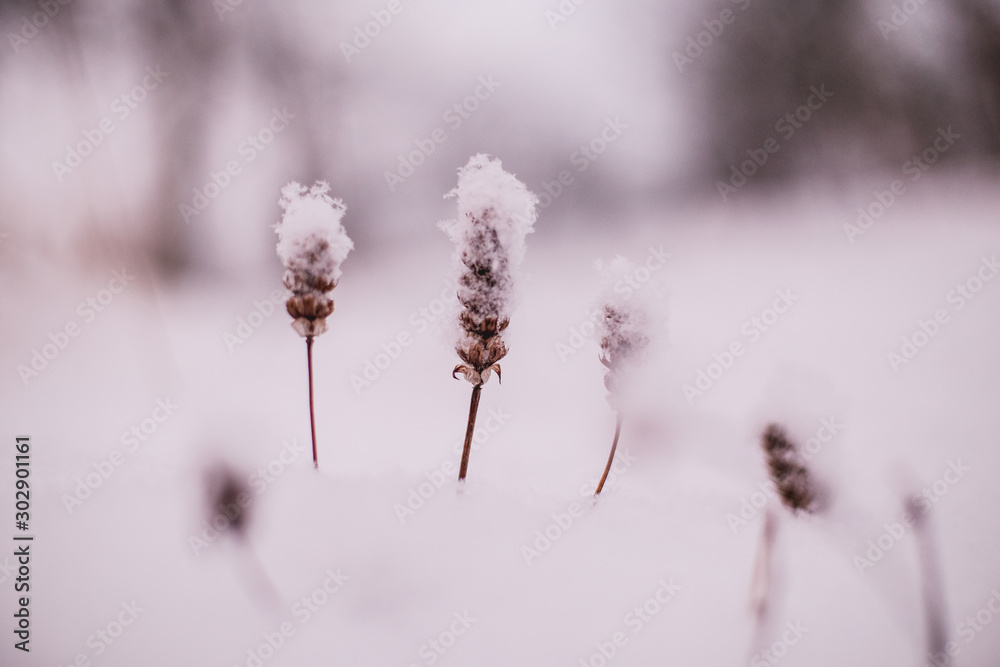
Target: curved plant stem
x: 473, y: 409
x: 312, y: 412
x: 611, y: 457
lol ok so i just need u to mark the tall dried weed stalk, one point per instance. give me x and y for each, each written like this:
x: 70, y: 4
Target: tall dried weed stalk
x: 800, y: 493
x: 495, y: 213
x: 623, y: 327
x: 312, y: 244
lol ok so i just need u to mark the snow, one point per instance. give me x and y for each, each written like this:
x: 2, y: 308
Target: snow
x: 495, y: 213
x: 484, y: 186
x: 549, y: 577
x: 623, y: 322
x: 311, y: 239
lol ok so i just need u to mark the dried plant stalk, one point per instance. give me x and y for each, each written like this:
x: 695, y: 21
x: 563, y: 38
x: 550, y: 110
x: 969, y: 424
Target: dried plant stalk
x: 481, y: 346
x: 623, y: 338
x: 225, y: 492
x: 799, y: 492
x: 312, y: 245
x: 496, y: 211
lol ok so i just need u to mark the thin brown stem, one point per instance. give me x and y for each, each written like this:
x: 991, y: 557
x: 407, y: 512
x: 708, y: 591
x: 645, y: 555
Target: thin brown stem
x: 312, y: 412
x: 611, y: 457
x: 473, y: 409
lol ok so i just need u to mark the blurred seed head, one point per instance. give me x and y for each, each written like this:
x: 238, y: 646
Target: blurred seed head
x: 225, y: 488
x: 797, y: 487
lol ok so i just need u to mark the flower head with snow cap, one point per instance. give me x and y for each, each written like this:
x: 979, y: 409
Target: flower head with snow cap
x: 623, y: 325
x: 495, y: 213
x: 312, y: 244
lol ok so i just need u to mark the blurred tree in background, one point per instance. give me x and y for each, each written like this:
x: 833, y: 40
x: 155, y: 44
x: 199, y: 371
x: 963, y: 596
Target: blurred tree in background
x: 897, y: 71
x: 207, y: 58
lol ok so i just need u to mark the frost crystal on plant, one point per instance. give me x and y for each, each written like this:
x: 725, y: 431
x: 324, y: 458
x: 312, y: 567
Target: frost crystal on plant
x: 312, y: 244
x: 622, y: 326
x: 495, y: 213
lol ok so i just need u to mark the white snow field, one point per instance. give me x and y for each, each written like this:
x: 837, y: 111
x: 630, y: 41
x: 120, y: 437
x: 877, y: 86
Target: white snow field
x: 378, y: 558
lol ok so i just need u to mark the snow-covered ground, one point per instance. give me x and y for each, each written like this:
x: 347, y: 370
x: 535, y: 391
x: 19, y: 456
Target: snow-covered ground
x: 380, y: 559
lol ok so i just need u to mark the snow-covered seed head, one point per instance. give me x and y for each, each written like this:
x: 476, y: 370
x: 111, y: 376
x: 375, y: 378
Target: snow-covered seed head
x: 622, y: 325
x: 495, y: 213
x: 796, y: 486
x: 312, y: 244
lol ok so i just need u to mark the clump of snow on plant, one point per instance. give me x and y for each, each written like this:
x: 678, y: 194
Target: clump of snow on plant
x: 312, y: 242
x: 623, y: 326
x: 495, y: 214
x: 623, y: 323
